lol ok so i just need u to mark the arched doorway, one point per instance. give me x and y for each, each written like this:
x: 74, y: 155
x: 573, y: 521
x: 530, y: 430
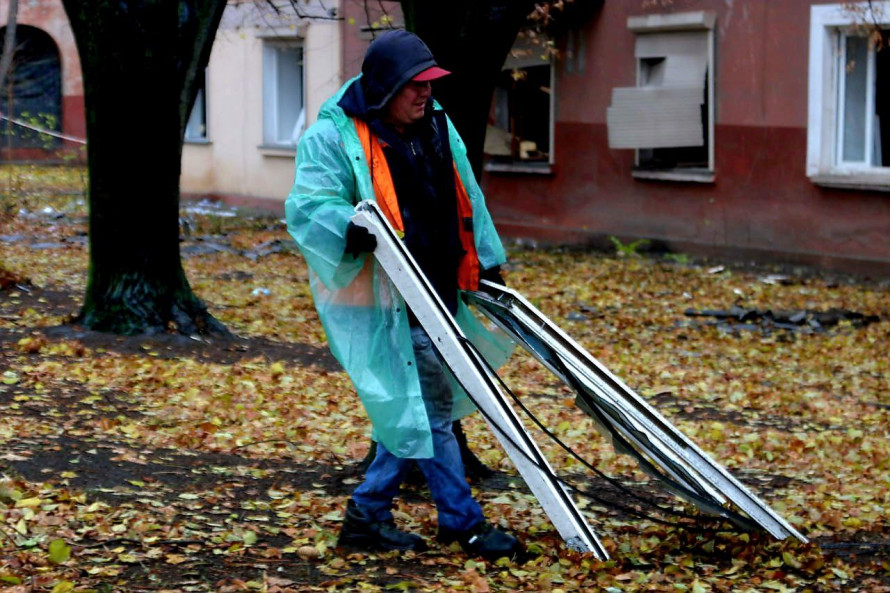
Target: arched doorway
x: 33, y: 91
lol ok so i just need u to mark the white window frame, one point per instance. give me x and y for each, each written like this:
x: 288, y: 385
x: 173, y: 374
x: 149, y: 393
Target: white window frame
x: 701, y: 20
x: 543, y: 168
x: 829, y: 24
x: 270, y: 95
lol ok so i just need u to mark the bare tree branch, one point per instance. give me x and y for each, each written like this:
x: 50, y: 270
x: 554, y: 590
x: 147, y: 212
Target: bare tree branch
x: 304, y: 15
x: 272, y: 4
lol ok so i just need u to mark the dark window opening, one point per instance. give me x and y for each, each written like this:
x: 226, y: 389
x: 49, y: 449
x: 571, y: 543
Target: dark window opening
x: 33, y: 93
x: 519, y: 122
x: 196, y: 127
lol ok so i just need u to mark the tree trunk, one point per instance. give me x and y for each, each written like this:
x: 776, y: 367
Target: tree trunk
x: 140, y: 62
x: 470, y: 38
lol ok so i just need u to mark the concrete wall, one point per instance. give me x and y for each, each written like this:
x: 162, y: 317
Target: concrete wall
x: 233, y: 164
x: 761, y: 204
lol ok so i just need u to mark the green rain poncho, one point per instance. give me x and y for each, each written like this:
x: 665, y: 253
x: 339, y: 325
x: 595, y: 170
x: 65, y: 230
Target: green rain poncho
x: 363, y: 315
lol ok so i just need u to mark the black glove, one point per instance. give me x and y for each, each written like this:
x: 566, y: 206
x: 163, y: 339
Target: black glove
x: 493, y: 275
x: 359, y: 240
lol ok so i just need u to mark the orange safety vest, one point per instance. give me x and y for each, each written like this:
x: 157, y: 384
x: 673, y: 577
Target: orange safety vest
x: 385, y: 194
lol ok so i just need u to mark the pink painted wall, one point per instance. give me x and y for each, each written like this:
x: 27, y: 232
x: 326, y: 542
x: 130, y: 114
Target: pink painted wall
x: 356, y: 15
x: 50, y: 17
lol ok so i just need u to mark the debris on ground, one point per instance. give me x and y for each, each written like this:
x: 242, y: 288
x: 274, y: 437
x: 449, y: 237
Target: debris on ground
x: 740, y: 318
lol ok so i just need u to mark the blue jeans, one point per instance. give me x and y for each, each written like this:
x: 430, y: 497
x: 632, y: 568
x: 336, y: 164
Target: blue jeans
x: 444, y: 472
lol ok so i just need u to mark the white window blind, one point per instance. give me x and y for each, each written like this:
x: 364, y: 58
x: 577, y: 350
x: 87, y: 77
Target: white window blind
x: 665, y: 110
x: 196, y: 128
x: 283, y: 99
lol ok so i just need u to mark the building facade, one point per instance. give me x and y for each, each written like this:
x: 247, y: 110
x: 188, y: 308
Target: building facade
x: 756, y: 129
x: 268, y: 74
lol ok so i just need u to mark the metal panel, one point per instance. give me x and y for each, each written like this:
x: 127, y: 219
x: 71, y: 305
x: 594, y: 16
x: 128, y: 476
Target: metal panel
x: 664, y: 111
x: 479, y: 381
x: 684, y: 56
x: 686, y: 71
x: 663, y: 45
x: 655, y: 117
x: 708, y: 482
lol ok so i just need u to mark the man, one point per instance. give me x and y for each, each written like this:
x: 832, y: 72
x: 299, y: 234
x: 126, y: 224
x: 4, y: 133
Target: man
x: 382, y: 137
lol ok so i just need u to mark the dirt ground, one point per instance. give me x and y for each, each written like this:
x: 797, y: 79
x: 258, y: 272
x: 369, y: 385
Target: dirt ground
x: 149, y: 502
x: 114, y: 466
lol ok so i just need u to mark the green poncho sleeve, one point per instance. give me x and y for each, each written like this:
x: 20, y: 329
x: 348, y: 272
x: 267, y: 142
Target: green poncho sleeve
x: 320, y: 205
x: 364, y: 316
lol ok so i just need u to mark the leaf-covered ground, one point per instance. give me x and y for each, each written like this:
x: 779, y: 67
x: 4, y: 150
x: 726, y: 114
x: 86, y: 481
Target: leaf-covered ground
x: 177, y: 464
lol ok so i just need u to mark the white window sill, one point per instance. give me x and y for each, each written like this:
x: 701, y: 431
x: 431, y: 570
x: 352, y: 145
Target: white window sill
x: 197, y: 141
x: 686, y: 175
x: 286, y: 32
x: 277, y: 151
x: 519, y: 167
x: 682, y: 21
x: 878, y: 180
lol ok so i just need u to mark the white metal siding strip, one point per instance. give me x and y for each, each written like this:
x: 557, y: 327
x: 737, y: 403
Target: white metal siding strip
x: 655, y: 117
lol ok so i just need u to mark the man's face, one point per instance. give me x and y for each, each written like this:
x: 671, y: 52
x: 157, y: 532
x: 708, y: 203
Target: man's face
x: 409, y: 104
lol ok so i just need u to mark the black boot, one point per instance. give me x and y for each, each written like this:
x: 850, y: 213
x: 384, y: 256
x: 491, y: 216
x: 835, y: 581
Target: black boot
x: 484, y: 540
x: 360, y: 532
x: 474, y: 469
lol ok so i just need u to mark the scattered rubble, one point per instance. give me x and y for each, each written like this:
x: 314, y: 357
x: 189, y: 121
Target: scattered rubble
x: 738, y: 318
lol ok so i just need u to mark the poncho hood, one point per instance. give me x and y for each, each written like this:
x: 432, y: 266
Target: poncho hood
x: 392, y: 60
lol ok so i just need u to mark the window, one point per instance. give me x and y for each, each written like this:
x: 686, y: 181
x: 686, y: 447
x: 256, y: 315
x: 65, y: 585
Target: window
x: 284, y: 113
x: 196, y: 128
x: 668, y: 116
x: 864, y: 103
x: 520, y: 124
x: 848, y: 129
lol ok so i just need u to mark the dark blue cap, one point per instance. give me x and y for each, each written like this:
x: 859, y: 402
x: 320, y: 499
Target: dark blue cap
x: 392, y: 60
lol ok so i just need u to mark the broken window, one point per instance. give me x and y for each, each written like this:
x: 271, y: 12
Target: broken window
x: 32, y: 99
x: 667, y: 117
x: 863, y: 120
x: 284, y: 113
x: 520, y: 122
